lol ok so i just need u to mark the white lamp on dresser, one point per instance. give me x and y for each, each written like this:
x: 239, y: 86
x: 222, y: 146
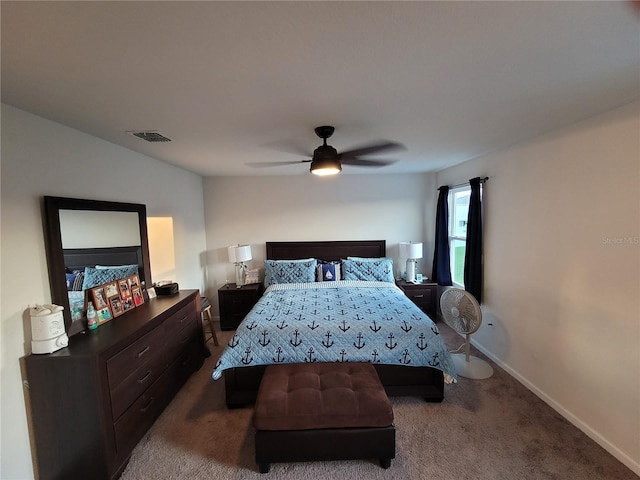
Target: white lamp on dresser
x: 412, y: 252
x: 238, y: 254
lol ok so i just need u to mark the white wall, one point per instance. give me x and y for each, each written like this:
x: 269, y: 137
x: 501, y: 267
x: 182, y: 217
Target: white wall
x: 254, y: 210
x: 562, y: 271
x: 39, y: 158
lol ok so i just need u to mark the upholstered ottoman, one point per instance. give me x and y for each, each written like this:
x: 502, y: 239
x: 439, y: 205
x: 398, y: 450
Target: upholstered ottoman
x: 322, y: 411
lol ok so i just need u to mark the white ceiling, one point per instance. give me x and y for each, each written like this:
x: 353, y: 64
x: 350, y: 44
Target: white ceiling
x: 238, y: 82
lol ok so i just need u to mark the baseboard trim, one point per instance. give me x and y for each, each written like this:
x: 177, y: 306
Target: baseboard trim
x: 577, y: 422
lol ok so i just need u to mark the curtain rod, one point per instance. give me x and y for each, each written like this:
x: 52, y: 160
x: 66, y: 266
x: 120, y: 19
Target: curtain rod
x: 482, y: 180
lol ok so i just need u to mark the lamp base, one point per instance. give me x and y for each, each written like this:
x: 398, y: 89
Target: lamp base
x: 411, y: 270
x: 240, y: 274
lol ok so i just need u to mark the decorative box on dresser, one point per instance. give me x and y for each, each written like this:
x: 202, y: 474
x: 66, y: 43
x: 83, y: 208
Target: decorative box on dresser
x: 235, y: 303
x: 92, y: 402
x: 424, y: 295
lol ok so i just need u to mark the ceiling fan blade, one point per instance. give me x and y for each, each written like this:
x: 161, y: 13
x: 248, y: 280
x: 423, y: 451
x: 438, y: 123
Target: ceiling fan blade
x: 274, y: 164
x: 361, y: 162
x: 289, y: 147
x: 371, y: 149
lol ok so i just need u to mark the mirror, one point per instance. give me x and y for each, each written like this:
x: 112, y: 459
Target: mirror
x: 81, y: 233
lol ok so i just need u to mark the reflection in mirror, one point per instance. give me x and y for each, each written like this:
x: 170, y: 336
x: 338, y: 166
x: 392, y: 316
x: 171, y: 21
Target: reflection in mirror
x: 92, y: 229
x: 83, y: 234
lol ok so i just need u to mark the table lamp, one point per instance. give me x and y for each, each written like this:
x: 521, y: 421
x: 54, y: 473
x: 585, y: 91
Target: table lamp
x: 238, y: 254
x: 412, y: 252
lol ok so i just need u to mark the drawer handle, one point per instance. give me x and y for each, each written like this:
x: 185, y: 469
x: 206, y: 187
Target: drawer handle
x: 183, y: 319
x: 146, y: 376
x: 146, y: 407
x: 418, y: 296
x: 144, y: 350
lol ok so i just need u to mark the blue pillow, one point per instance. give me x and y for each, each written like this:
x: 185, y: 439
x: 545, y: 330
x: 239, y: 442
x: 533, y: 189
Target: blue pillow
x: 370, y: 269
x: 71, y: 278
x: 289, y: 271
x: 369, y: 259
x: 328, y: 271
x: 99, y: 276
x: 130, y: 266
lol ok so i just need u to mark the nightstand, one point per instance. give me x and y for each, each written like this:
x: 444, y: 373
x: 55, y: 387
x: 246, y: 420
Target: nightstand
x: 424, y: 295
x: 235, y: 303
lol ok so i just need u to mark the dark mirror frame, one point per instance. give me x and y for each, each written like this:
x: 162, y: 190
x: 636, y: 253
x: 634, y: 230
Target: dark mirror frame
x: 55, y: 254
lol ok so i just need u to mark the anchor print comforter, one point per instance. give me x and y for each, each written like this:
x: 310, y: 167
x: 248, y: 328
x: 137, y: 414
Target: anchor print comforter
x: 343, y: 321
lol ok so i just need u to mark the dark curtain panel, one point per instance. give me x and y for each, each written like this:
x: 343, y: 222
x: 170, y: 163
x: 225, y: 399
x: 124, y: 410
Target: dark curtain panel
x: 441, y: 271
x: 473, y: 253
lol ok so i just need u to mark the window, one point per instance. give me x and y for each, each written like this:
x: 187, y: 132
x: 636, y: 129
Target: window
x: 458, y: 213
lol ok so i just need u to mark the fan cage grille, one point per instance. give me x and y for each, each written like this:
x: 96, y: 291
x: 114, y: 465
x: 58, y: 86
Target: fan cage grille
x: 461, y: 311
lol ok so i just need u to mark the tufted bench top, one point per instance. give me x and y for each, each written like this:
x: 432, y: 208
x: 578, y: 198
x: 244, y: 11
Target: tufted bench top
x: 301, y: 396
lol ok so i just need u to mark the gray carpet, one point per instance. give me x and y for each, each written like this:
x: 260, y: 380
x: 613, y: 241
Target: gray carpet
x: 484, y: 429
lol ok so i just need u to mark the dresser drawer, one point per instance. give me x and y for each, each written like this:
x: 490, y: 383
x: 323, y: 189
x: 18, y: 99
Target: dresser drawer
x: 133, y: 424
x: 178, y: 339
x: 129, y: 389
x: 189, y: 360
x: 135, y: 357
x: 423, y: 297
x: 239, y: 303
x: 183, y: 317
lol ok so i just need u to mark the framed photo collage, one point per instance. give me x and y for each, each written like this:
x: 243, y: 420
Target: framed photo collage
x: 115, y: 298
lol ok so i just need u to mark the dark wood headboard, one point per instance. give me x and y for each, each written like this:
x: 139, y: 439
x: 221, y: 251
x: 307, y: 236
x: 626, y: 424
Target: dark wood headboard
x: 329, y: 250
x: 78, y: 258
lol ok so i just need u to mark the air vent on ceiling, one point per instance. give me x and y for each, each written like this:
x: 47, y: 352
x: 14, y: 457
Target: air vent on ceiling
x: 151, y: 136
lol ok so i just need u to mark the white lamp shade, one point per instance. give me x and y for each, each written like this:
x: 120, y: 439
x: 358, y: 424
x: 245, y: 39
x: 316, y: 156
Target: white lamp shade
x: 410, y: 250
x: 239, y: 253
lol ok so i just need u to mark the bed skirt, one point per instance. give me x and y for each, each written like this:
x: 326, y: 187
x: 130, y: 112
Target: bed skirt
x: 241, y: 384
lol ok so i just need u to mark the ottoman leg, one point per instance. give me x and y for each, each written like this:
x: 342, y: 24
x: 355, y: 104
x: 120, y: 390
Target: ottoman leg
x: 264, y: 467
x: 385, y: 463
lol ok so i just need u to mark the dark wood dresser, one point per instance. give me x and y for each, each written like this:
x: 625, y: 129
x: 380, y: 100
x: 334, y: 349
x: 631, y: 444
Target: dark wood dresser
x: 92, y: 402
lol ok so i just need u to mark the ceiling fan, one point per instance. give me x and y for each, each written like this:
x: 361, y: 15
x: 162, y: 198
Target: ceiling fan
x: 327, y: 161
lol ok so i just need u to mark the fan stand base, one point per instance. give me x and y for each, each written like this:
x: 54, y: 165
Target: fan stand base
x: 475, y: 368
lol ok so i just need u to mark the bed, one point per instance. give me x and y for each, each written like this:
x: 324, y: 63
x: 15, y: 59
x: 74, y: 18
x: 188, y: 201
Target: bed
x: 336, y: 321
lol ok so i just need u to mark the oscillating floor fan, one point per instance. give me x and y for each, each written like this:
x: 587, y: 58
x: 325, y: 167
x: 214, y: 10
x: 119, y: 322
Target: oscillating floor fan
x: 461, y: 312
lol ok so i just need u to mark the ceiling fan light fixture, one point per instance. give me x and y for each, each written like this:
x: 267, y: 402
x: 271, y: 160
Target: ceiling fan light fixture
x: 327, y: 161
x: 325, y: 167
